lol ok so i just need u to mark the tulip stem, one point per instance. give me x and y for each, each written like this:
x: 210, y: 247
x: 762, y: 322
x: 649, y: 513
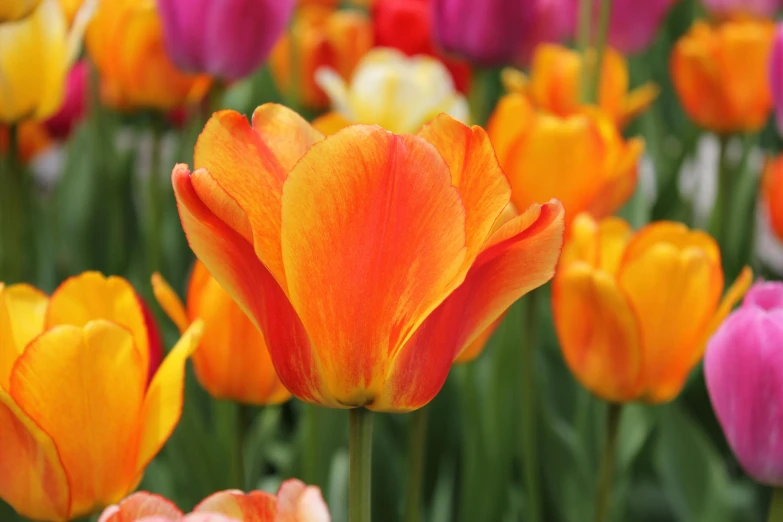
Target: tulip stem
x: 154, y: 201
x: 360, y: 473
x: 594, y: 83
x: 529, y: 423
x: 13, y: 190
x: 720, y: 210
x: 416, y: 454
x: 776, y: 506
x: 606, y: 472
x: 584, y: 29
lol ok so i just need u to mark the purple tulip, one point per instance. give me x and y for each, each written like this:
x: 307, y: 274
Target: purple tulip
x: 489, y: 32
x: 226, y: 38
x: 776, y: 75
x: 744, y: 371
x: 723, y: 8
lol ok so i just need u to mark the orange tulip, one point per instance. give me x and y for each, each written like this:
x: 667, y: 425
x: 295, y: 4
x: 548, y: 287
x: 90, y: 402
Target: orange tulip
x: 721, y: 74
x: 125, y: 40
x: 633, y: 311
x: 78, y: 420
x: 366, y: 258
x: 233, y: 361
x: 772, y: 191
x: 581, y: 159
x: 555, y: 86
x: 322, y: 37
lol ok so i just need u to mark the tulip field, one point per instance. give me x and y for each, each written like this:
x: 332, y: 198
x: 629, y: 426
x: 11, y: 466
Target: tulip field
x: 391, y: 260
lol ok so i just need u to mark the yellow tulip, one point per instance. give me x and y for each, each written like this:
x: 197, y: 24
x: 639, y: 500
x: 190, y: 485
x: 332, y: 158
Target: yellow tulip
x: 391, y: 90
x: 79, y: 420
x: 11, y: 10
x: 633, y: 311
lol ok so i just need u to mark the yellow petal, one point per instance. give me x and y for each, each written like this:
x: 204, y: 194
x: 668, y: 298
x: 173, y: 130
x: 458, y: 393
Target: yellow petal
x: 170, y: 302
x: 22, y: 312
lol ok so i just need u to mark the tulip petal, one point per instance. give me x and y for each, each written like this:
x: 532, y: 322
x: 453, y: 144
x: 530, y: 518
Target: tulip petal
x: 673, y: 317
x: 675, y: 234
x: 22, y: 313
x: 475, y: 348
x: 330, y: 123
x: 170, y: 302
x: 32, y: 477
x: 254, y: 162
x: 598, y: 332
x: 233, y: 263
x: 256, y: 506
x: 297, y: 502
x: 520, y: 256
x: 95, y: 374
x: 90, y: 296
x: 510, y: 120
x: 476, y: 174
x: 139, y: 506
x: 373, y: 234
x: 163, y: 401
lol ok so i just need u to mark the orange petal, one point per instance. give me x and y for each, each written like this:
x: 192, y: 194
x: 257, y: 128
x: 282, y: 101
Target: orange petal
x: 475, y: 172
x: 233, y: 263
x: 233, y: 361
x: 170, y: 302
x: 95, y: 374
x: 475, y: 348
x: 32, y: 478
x: 140, y: 506
x: 92, y: 296
x: 22, y: 313
x: 373, y: 233
x: 252, y: 162
x: 256, y: 506
x: 598, y: 332
x: 637, y: 101
x: 163, y: 401
x: 521, y: 256
x: 675, y: 234
x: 297, y: 502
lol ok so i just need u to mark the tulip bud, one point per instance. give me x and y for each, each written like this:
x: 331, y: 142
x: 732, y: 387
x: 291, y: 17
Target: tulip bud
x: 226, y: 38
x: 743, y: 368
x: 727, y: 8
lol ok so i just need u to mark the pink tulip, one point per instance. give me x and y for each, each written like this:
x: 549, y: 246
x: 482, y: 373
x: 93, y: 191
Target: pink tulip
x: 724, y: 8
x: 744, y: 371
x: 226, y: 38
x: 74, y: 105
x: 776, y: 75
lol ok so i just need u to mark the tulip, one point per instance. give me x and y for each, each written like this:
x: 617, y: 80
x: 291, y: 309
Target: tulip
x: 295, y: 502
x: 776, y: 75
x: 633, y: 311
x: 35, y: 92
x: 74, y: 104
x: 743, y: 368
x: 71, y: 8
x: 391, y: 90
x: 772, y: 194
x: 720, y: 74
x: 11, y: 10
x: 365, y: 258
x: 125, y: 40
x: 734, y: 8
x: 554, y: 84
x: 582, y: 159
x: 232, y: 361
x: 321, y: 37
x: 78, y: 420
x: 633, y: 25
x: 226, y: 38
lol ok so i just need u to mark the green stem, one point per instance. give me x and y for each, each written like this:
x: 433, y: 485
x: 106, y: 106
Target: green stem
x: 585, y: 25
x: 244, y: 415
x: 13, y: 189
x: 311, y: 466
x: 479, y: 97
x: 604, y: 493
x: 720, y: 211
x: 528, y: 426
x: 155, y: 202
x: 360, y: 477
x: 776, y: 506
x: 594, y: 83
x: 416, y: 454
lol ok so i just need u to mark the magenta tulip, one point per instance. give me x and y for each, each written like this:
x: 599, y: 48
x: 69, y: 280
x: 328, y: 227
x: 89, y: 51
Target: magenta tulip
x: 743, y: 367
x: 776, y: 75
x: 74, y: 105
x: 226, y: 38
x: 724, y: 8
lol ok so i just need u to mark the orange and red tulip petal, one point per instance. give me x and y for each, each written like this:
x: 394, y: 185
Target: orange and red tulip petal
x: 32, y: 477
x: 366, y: 233
x: 254, y: 161
x: 672, y: 317
x: 519, y: 257
x: 476, y: 174
x: 162, y: 406
x: 91, y: 296
x: 170, y: 302
x: 598, y: 332
x: 475, y: 348
x: 140, y: 506
x: 256, y: 506
x: 233, y: 263
x: 297, y: 502
x: 22, y: 314
x: 85, y: 387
